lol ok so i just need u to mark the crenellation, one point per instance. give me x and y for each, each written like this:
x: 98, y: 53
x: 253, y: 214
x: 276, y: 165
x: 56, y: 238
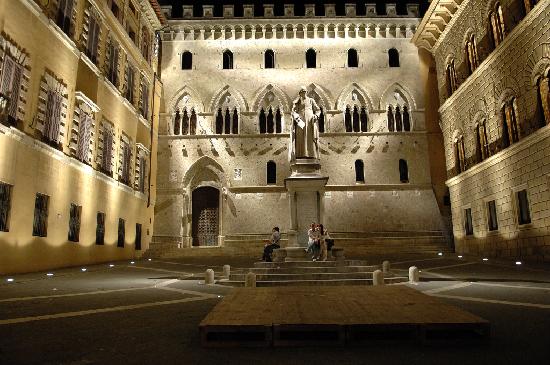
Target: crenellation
x: 350, y: 10
x: 208, y: 11
x: 269, y: 10
x: 391, y: 10
x: 330, y: 10
x: 309, y: 10
x: 228, y: 11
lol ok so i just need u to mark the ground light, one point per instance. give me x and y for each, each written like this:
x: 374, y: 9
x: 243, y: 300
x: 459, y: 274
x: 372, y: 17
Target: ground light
x: 111, y: 265
x: 132, y: 262
x: 440, y: 254
x: 148, y: 259
x: 83, y: 269
x: 485, y: 259
x: 518, y: 262
x: 459, y: 256
x: 49, y: 274
x: 9, y: 280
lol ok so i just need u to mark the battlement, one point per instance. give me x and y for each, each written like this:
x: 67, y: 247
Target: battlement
x: 413, y: 11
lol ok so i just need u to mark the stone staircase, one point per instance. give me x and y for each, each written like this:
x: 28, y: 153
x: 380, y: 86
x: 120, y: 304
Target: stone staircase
x: 356, y: 244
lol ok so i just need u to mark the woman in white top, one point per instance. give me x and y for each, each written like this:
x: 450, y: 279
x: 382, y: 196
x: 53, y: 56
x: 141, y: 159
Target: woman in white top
x: 323, y: 242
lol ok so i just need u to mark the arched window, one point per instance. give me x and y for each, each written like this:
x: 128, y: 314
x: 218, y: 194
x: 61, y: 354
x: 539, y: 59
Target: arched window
x: 450, y: 74
x: 235, y: 125
x: 269, y: 59
x: 353, y: 59
x: 193, y: 123
x: 227, y: 60
x: 471, y: 54
x: 262, y: 121
x: 393, y: 57
x: 278, y: 121
x: 364, y: 118
x: 359, y: 171
x: 177, y: 119
x: 406, y: 119
x: 347, y: 120
x: 496, y: 21
x: 311, y: 58
x: 185, y: 122
x: 321, y: 121
x: 219, y: 122
x: 227, y: 122
x: 271, y: 172
x: 543, y: 100
x: 356, y: 125
x: 482, y: 147
x: 510, y: 127
x: 460, y: 158
x: 403, y: 171
x: 270, y: 121
x: 186, y: 60
x: 529, y: 5
x: 398, y: 120
x: 391, y: 122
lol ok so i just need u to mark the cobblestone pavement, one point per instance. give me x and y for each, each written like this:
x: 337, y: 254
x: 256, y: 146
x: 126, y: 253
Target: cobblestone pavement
x: 142, y: 312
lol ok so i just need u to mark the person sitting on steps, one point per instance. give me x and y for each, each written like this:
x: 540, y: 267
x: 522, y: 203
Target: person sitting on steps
x: 310, y: 238
x: 271, y: 244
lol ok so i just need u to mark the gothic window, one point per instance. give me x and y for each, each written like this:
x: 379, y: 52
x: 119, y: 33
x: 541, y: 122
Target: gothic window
x: 364, y: 120
x: 347, y: 120
x: 227, y: 122
x: 543, y: 99
x: 278, y: 121
x: 177, y: 122
x: 391, y: 121
x: 356, y: 124
x: 100, y: 229
x: 193, y: 123
x: 5, y: 206
x: 219, y: 122
x: 482, y: 146
x: 137, y: 244
x: 90, y: 34
x: 227, y: 60
x: 510, y: 127
x: 270, y: 124
x: 321, y: 120
x: 393, y: 57
x: 460, y: 157
x: 125, y: 160
x: 468, y: 222
x: 74, y: 222
x: 269, y: 59
x: 40, y: 224
x: 121, y: 233
x: 492, y: 221
x: 529, y: 5
x: 496, y: 20
x: 403, y: 171
x: 187, y: 60
x: 64, y: 15
x: 398, y: 120
x: 235, y: 124
x: 262, y: 121
x: 471, y: 54
x: 144, y: 98
x: 106, y: 148
x: 271, y: 172
x: 353, y: 59
x: 450, y: 74
x: 112, y: 62
x: 406, y: 119
x: 311, y: 58
x: 10, y: 85
x: 130, y: 75
x: 359, y: 171
x: 524, y: 214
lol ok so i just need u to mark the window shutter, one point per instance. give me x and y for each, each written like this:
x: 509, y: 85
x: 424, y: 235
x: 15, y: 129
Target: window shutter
x: 15, y: 87
x: 7, y: 75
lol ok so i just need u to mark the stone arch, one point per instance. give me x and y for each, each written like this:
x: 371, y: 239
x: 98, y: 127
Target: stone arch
x: 504, y: 96
x: 221, y: 94
x: 390, y: 95
x: 457, y: 133
x: 282, y: 98
x: 361, y: 93
x: 204, y: 172
x: 537, y: 65
x: 180, y: 97
x: 323, y: 96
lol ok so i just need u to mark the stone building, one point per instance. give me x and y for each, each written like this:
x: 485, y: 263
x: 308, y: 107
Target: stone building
x: 229, y: 84
x: 493, y: 64
x: 79, y: 99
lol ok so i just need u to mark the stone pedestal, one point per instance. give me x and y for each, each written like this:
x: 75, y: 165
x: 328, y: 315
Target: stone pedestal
x: 306, y: 188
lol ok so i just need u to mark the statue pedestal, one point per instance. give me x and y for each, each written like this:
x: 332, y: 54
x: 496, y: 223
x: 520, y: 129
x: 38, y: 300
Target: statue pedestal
x: 306, y: 190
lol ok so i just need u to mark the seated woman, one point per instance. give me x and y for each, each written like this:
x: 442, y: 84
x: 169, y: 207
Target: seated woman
x: 272, y: 244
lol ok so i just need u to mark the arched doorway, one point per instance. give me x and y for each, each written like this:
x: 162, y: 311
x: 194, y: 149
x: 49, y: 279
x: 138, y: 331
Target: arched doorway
x: 206, y: 217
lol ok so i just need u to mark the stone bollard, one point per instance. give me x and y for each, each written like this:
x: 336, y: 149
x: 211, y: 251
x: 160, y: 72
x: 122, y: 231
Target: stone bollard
x: 377, y: 277
x: 414, y: 275
x: 226, y: 271
x: 386, y: 267
x: 250, y: 281
x: 209, y: 276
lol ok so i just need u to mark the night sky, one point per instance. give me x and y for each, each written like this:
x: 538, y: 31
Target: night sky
x: 298, y: 8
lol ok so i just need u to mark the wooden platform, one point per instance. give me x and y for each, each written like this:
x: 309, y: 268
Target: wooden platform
x: 296, y: 316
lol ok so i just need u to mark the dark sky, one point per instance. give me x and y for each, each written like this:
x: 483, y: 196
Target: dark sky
x: 298, y: 8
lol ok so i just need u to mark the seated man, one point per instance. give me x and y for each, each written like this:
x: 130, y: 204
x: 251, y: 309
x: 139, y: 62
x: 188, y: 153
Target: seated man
x: 272, y: 244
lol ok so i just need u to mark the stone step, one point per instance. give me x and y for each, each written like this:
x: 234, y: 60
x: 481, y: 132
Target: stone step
x: 310, y: 270
x: 294, y: 264
x: 382, y: 234
x: 305, y: 276
x: 333, y: 282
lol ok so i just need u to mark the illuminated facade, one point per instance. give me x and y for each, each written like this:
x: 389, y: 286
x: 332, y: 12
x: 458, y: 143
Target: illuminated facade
x: 79, y: 108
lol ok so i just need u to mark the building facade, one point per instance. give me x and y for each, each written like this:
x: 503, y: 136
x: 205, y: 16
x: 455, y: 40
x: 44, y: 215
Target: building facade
x: 493, y: 63
x: 229, y: 85
x: 79, y: 99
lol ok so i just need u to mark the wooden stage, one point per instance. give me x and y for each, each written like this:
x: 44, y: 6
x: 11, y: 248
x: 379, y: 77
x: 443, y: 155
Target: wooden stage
x: 336, y: 315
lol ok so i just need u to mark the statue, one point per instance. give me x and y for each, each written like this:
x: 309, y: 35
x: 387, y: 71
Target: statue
x: 304, y: 134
